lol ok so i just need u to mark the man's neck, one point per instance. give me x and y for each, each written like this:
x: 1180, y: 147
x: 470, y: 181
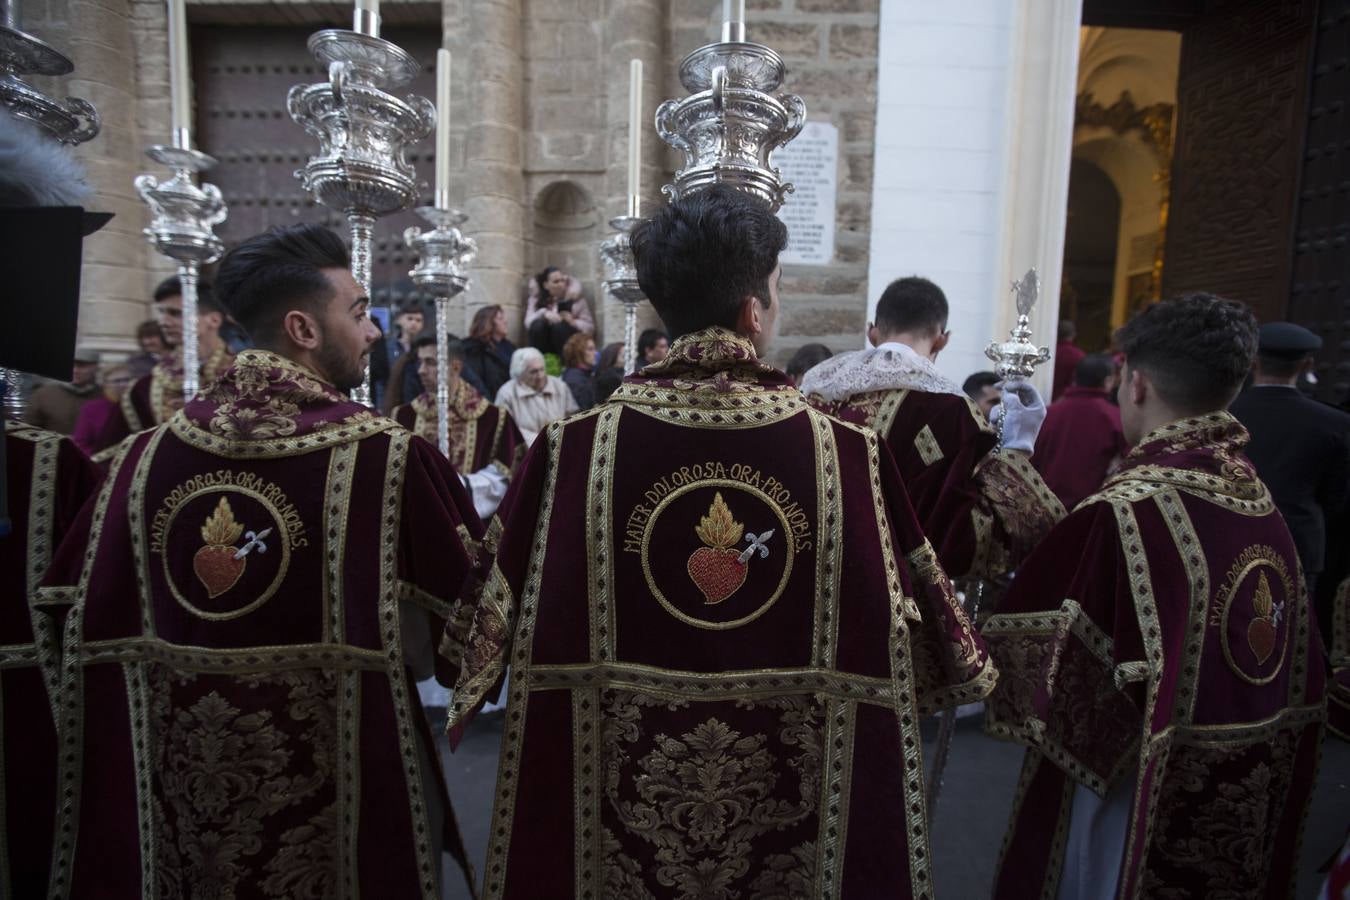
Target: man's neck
x: 1270, y: 380
x: 920, y: 344
x: 207, y: 345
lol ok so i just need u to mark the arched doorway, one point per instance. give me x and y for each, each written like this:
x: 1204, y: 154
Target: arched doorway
x: 1090, y: 244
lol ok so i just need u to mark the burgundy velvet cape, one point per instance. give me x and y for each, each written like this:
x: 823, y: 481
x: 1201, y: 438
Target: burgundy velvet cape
x: 1163, y: 629
x: 480, y: 433
x: 1338, y: 697
x: 983, y: 511
x: 699, y: 707
x: 49, y: 480
x: 247, y: 726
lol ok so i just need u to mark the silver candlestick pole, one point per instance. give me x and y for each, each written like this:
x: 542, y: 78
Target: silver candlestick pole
x: 443, y: 254
x: 184, y: 215
x: 730, y: 124
x: 361, y: 168
x: 616, y: 253
x: 1018, y: 357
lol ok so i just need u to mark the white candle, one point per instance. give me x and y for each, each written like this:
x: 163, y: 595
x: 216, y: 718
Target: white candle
x: 180, y: 82
x: 366, y: 17
x: 634, y: 131
x: 443, y: 128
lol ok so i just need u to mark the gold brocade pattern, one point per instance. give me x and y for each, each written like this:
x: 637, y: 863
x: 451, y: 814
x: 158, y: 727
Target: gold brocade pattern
x: 465, y: 408
x: 703, y: 799
x: 225, y: 771
x: 930, y: 451
x: 166, y: 383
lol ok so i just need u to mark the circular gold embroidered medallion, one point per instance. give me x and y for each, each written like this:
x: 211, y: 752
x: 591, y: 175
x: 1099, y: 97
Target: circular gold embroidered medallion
x: 1256, y: 602
x: 736, y: 546
x: 242, y: 541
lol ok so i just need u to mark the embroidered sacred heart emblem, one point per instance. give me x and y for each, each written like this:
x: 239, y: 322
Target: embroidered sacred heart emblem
x: 218, y: 565
x: 1261, y: 631
x: 718, y: 570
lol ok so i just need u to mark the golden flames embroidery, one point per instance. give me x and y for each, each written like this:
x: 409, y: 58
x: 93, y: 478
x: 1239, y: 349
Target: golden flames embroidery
x: 217, y: 564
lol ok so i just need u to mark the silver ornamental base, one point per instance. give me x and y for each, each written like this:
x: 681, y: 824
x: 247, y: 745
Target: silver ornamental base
x: 70, y: 122
x: 730, y: 124
x: 15, y: 401
x: 1018, y: 357
x: 616, y: 253
x: 183, y: 216
x: 443, y: 254
x: 363, y: 133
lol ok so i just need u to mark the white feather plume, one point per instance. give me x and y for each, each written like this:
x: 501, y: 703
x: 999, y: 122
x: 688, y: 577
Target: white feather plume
x: 36, y: 170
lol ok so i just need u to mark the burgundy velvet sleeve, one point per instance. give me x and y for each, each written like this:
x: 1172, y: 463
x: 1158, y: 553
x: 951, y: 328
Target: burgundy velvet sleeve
x: 1070, y: 656
x: 439, y: 544
x: 951, y: 664
x: 487, y: 645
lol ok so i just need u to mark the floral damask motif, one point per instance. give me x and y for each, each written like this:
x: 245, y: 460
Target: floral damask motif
x: 1228, y: 835
x: 787, y: 876
x: 221, y: 772
x: 703, y: 798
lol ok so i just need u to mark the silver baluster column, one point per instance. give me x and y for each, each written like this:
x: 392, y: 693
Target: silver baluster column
x: 616, y: 253
x: 363, y: 133
x: 184, y: 215
x: 443, y: 254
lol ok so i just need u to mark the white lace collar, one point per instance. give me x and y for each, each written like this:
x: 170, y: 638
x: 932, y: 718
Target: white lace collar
x: 892, y: 366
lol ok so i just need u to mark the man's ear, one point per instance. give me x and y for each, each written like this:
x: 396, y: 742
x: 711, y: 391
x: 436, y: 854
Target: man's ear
x: 301, y: 329
x: 939, y: 343
x: 873, y: 334
x: 1140, y: 387
x: 748, y: 322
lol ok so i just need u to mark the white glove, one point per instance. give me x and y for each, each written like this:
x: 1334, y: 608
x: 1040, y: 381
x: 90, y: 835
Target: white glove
x: 1023, y: 413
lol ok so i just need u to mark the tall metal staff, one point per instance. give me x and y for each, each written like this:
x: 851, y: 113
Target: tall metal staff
x: 184, y: 214
x: 442, y: 253
x: 363, y: 132
x: 70, y: 122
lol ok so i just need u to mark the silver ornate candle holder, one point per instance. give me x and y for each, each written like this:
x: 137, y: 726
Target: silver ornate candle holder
x: 361, y: 168
x: 184, y: 215
x: 443, y: 254
x: 730, y: 124
x: 1018, y: 357
x: 616, y: 253
x: 70, y: 122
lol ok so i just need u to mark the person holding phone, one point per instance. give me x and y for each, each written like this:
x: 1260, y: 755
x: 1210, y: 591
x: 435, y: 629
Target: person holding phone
x: 555, y: 311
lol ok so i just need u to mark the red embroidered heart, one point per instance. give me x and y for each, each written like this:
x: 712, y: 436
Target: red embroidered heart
x: 217, y: 569
x: 717, y: 573
x: 1261, y: 638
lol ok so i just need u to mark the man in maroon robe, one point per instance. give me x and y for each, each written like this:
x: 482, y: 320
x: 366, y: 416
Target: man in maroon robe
x: 721, y: 617
x: 48, y: 480
x: 153, y: 399
x: 252, y: 595
x: 1067, y: 357
x: 485, y: 444
x: 1081, y: 438
x: 983, y: 510
x: 1157, y: 652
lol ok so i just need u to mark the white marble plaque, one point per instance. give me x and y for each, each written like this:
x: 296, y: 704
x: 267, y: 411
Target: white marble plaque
x: 811, y: 163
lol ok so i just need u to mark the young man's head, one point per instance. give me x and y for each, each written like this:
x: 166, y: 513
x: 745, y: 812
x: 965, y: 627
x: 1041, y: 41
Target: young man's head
x: 912, y: 311
x: 428, y: 370
x: 980, y: 387
x: 653, y: 345
x: 169, y: 312
x: 292, y: 289
x: 150, y: 337
x: 1096, y: 370
x: 85, y: 368
x: 409, y: 322
x: 1067, y: 330
x: 1183, y: 357
x: 711, y: 259
x: 527, y: 367
x: 806, y: 359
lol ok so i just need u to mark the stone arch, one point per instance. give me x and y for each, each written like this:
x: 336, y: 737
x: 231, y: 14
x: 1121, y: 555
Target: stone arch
x: 1091, y: 244
x: 565, y: 232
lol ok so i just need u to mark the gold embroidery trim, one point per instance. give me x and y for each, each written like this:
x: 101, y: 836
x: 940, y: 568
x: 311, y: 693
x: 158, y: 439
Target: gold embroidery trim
x: 336, y: 521
x: 930, y: 451
x: 829, y: 542
x: 705, y: 408
x: 736, y: 685
x: 522, y: 679
x: 428, y: 864
x: 1251, y: 558
x: 1192, y: 554
x: 144, y: 763
x: 599, y: 544
x: 136, y: 528
x: 213, y: 660
x: 588, y: 835
x: 277, y: 448
x: 837, y: 782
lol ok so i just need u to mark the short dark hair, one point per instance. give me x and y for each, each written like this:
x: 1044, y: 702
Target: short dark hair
x: 974, y: 385
x: 207, y: 302
x: 1197, y: 349
x: 541, y: 281
x: 425, y: 340
x: 277, y: 271
x: 147, y: 329
x: 1068, y: 329
x: 807, y: 357
x: 1093, y: 370
x: 609, y: 356
x: 701, y: 256
x: 169, y: 287
x: 649, y: 339
x: 912, y: 304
